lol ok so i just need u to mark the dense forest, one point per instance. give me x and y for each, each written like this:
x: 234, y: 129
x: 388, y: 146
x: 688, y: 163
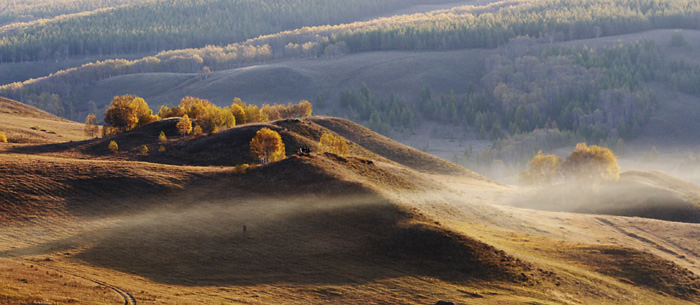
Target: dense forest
x: 532, y: 97
x: 594, y: 94
x: 153, y: 26
x: 12, y: 11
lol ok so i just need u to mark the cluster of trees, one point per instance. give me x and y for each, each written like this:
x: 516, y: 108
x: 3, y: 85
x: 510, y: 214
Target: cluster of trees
x: 127, y: 112
x: 684, y: 76
x: 152, y: 26
x: 211, y: 117
x: 29, y: 10
x: 462, y: 27
x: 379, y: 115
x: 585, y: 163
x: 597, y: 92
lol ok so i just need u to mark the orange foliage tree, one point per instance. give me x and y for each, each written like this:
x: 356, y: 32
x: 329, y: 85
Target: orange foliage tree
x: 209, y: 116
x: 541, y: 169
x: 128, y: 112
x: 592, y: 163
x: 267, y: 146
x: 332, y: 144
x: 184, y: 126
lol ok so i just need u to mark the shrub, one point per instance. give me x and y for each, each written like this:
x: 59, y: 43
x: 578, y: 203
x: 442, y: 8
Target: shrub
x: 161, y: 149
x: 113, y: 147
x: 162, y: 138
x: 3, y: 137
x: 143, y: 150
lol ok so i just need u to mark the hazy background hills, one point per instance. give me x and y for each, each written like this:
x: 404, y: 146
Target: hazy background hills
x: 509, y: 77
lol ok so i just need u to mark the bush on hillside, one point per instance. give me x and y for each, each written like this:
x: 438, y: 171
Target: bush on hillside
x: 113, y: 147
x: 143, y: 150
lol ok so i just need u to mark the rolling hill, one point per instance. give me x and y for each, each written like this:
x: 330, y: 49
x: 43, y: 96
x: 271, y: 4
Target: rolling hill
x: 387, y: 224
x: 26, y: 124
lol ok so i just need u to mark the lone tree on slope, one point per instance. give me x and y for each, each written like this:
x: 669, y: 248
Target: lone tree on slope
x: 267, y: 146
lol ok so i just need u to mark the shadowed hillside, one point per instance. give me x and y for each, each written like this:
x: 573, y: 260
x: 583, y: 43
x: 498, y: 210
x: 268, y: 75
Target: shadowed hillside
x: 231, y: 147
x: 386, y: 224
x: 638, y: 193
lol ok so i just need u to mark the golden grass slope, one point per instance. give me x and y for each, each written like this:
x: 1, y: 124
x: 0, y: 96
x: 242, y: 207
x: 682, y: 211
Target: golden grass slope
x: 26, y: 124
x: 386, y: 225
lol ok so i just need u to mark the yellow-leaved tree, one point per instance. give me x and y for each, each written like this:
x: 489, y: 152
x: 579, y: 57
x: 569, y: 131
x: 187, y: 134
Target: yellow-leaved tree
x: 184, y: 125
x: 3, y: 137
x: 593, y: 163
x: 267, y: 146
x: 332, y: 144
x: 127, y: 112
x: 542, y: 169
x: 113, y: 146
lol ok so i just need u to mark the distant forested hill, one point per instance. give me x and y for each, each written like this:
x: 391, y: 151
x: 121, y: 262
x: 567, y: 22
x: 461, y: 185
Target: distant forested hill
x: 459, y: 28
x: 152, y: 26
x: 12, y: 11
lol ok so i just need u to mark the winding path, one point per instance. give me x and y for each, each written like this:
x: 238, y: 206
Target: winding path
x: 125, y: 295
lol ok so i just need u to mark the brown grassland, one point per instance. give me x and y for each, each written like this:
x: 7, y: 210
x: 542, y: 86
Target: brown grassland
x: 386, y: 225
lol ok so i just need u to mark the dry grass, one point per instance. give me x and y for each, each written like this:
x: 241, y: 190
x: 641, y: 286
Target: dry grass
x: 30, y: 283
x: 385, y: 225
x: 25, y: 124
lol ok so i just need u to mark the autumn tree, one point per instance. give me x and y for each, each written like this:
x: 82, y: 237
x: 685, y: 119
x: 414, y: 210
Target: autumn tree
x: 209, y: 116
x: 593, y: 163
x: 113, y: 147
x: 91, y: 128
x: 238, y: 111
x: 127, y: 112
x: 303, y: 109
x: 162, y: 138
x: 197, y: 130
x: 143, y: 150
x: 542, y: 169
x: 332, y: 144
x: 267, y: 146
x: 3, y: 137
x: 184, y: 126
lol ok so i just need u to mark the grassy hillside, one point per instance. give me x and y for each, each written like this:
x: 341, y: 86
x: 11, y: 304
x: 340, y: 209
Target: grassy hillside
x: 387, y: 224
x: 26, y: 124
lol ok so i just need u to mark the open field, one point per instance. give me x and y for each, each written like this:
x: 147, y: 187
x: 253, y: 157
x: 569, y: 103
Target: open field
x: 388, y: 224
